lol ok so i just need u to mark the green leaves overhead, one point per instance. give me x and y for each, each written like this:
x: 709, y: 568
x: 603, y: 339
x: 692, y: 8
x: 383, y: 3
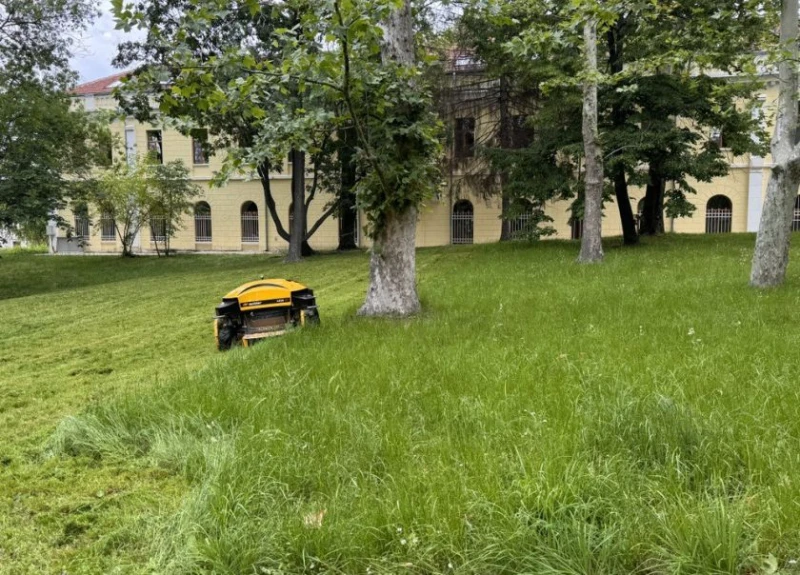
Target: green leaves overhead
x: 268, y: 77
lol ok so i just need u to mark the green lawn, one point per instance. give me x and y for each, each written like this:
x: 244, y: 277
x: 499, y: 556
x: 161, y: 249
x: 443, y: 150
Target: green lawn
x: 539, y: 417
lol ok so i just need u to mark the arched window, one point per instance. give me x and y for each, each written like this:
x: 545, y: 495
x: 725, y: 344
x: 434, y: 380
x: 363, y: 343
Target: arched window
x: 107, y: 227
x: 796, y: 215
x: 463, y: 223
x: 202, y: 222
x: 249, y: 223
x: 719, y: 215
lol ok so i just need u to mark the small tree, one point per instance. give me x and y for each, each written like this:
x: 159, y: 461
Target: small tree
x: 170, y: 198
x: 122, y: 193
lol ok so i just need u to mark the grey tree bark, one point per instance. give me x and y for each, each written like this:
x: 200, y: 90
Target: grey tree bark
x: 393, y: 270
x: 591, y: 242
x: 771, y: 255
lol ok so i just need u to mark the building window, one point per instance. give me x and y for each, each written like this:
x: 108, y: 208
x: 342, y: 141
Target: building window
x: 717, y: 137
x: 719, y: 215
x: 249, y: 223
x: 354, y: 231
x: 796, y: 215
x: 130, y: 146
x: 202, y: 222
x: 462, y: 228
x: 155, y: 146
x: 576, y: 228
x: 521, y: 132
x: 199, y: 155
x: 639, y: 212
x: 108, y: 231
x: 159, y: 229
x: 465, y: 137
x: 81, y: 223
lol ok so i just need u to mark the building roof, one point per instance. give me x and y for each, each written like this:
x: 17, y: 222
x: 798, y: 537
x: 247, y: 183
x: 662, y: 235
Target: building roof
x: 97, y: 87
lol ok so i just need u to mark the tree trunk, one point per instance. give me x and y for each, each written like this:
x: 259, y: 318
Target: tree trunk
x: 591, y: 242
x: 618, y: 118
x: 651, y: 222
x: 348, y: 217
x: 392, y: 274
x: 297, y: 231
x: 392, y: 287
x: 771, y: 255
x: 263, y: 173
x: 505, y: 144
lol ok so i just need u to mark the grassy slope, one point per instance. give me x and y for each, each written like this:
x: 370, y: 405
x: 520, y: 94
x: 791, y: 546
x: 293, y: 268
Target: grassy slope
x: 538, y: 417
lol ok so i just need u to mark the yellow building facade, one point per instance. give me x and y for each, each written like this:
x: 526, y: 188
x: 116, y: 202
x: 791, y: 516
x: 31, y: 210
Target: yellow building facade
x: 234, y: 218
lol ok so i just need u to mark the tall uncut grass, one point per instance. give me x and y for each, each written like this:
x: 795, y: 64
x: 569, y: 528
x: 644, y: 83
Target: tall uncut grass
x: 538, y: 417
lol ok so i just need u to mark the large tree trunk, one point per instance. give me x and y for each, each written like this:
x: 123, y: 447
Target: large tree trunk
x: 618, y: 118
x: 771, y: 255
x: 392, y: 286
x: 591, y: 242
x: 392, y: 273
x: 297, y: 232
x: 651, y: 222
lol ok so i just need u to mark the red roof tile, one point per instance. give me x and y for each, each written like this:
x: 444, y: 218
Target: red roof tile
x: 101, y: 86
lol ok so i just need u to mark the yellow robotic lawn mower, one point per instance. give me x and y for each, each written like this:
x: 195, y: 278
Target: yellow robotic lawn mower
x: 261, y: 309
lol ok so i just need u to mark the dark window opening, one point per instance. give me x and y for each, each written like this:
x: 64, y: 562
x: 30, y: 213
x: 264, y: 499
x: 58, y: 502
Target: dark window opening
x: 199, y: 154
x: 719, y: 215
x: 463, y: 223
x: 464, y: 138
x: 521, y: 132
x: 155, y: 146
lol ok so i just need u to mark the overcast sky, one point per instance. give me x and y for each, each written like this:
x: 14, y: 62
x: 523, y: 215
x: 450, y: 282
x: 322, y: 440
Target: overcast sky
x: 98, y: 47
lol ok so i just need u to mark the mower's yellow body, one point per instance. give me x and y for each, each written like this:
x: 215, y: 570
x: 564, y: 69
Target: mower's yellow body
x: 261, y: 309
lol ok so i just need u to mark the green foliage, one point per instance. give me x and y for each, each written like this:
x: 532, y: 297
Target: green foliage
x: 37, y: 41
x: 658, y: 105
x: 47, y: 150
x: 131, y: 194
x: 268, y: 76
x: 171, y: 195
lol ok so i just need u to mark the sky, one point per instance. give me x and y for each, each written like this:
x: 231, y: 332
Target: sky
x: 98, y: 46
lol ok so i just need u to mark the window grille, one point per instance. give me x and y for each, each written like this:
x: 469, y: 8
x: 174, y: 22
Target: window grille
x: 250, y: 223
x: 107, y: 229
x: 202, y: 223
x: 519, y: 226
x: 159, y: 229
x: 796, y: 215
x: 82, y: 227
x: 462, y: 229
x: 719, y: 215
